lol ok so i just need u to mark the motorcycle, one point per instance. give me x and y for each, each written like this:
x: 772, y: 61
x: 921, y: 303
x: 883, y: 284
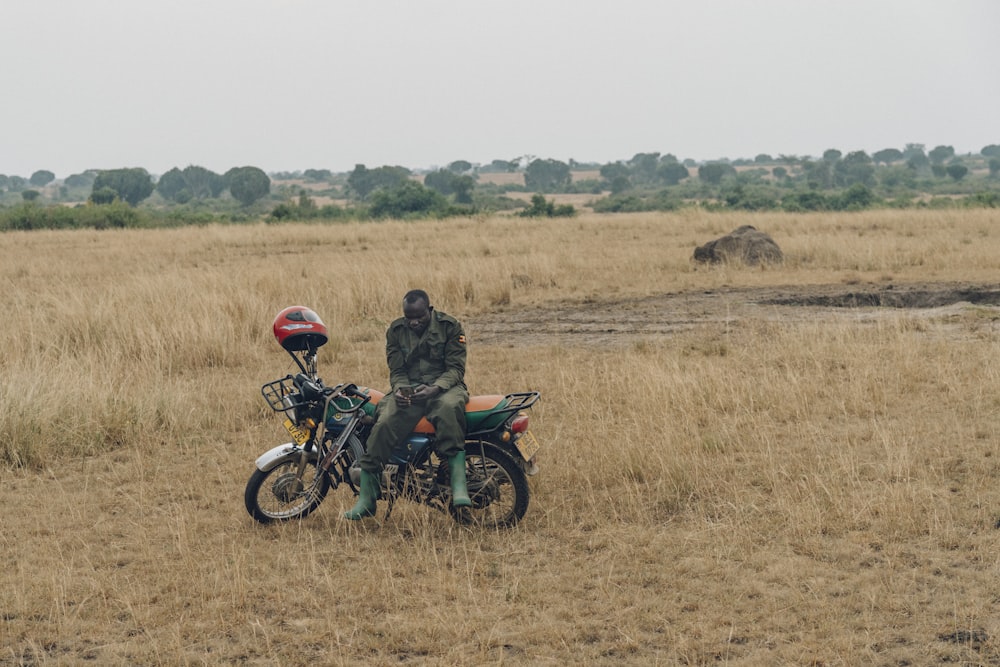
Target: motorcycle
x: 329, y: 427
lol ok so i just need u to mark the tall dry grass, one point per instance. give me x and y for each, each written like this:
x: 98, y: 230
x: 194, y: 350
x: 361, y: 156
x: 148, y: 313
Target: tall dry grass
x: 754, y: 492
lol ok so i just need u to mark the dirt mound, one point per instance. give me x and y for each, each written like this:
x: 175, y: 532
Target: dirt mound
x: 745, y: 244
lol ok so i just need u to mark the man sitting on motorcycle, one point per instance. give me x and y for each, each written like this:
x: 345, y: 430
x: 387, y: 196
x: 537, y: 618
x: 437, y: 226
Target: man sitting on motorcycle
x: 425, y: 350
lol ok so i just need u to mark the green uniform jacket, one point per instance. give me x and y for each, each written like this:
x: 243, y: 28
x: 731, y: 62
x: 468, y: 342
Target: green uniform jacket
x: 437, y: 357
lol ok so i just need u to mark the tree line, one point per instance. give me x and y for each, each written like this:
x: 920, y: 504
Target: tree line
x: 647, y: 181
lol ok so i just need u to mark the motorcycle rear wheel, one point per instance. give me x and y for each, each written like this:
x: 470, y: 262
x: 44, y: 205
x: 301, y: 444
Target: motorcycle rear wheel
x: 497, y: 486
x: 279, y: 495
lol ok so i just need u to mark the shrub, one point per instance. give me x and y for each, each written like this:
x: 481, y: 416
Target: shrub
x: 408, y: 199
x: 548, y: 209
x: 810, y: 200
x: 749, y: 199
x: 32, y: 216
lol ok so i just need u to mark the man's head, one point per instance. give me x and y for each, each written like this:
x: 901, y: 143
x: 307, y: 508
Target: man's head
x: 417, y: 310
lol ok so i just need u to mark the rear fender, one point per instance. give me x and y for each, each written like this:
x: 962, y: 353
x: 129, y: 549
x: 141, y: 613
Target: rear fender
x: 277, y: 455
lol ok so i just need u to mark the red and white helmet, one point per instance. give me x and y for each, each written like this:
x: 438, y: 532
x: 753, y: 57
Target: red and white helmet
x: 298, y: 328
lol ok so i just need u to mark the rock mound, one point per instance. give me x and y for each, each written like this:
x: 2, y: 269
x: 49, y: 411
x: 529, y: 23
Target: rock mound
x: 744, y: 244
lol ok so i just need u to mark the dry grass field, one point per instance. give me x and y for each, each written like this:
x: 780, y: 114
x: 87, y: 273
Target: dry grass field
x: 737, y: 468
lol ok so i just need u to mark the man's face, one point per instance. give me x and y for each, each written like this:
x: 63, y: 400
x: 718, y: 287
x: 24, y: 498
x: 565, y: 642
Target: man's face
x: 417, y: 314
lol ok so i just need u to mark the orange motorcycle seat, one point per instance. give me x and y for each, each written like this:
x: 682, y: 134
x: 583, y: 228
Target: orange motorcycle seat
x: 479, y: 403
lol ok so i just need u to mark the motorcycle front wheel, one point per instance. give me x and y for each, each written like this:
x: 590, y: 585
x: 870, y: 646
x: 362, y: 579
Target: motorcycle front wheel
x: 497, y: 487
x: 279, y: 494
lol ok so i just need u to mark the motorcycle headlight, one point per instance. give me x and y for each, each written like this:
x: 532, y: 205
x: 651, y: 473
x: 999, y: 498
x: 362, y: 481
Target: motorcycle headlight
x: 290, y: 405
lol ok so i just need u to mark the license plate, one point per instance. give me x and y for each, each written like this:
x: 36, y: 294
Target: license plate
x: 299, y: 435
x: 528, y: 445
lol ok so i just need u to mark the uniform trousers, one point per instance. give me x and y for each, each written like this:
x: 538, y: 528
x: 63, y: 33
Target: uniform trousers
x: 446, y: 412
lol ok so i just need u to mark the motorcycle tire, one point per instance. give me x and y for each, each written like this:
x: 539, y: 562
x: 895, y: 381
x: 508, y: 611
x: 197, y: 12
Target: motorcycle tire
x: 277, y: 494
x: 497, y: 486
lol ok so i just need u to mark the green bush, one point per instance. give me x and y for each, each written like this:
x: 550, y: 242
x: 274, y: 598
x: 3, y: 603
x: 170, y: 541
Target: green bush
x: 32, y: 216
x: 983, y: 200
x: 809, y: 200
x: 635, y: 203
x: 749, y: 198
x: 547, y: 209
x: 408, y: 199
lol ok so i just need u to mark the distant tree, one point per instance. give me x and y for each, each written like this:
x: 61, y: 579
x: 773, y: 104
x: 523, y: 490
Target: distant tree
x: 16, y: 183
x: 805, y: 201
x: 364, y: 181
x: 917, y: 160
x: 818, y: 173
x: 957, y: 171
x: 460, y: 166
x: 714, y: 172
x: 748, y: 198
x: 993, y: 150
x: 644, y: 167
x: 172, y: 184
x: 360, y: 181
x: 247, y: 184
x: 618, y: 177
x: 994, y: 165
x: 831, y: 155
x: 855, y: 168
x: 131, y: 184
x: 30, y: 195
x: 855, y: 198
x: 450, y: 183
x: 41, y: 178
x: 317, y: 175
x: 204, y: 183
x: 463, y: 186
x: 897, y: 176
x: 613, y: 170
x: 939, y: 154
x: 938, y: 170
x: 503, y: 166
x: 103, y: 195
x: 780, y: 173
x: 549, y: 209
x: 672, y: 173
x: 763, y: 158
x: 619, y: 184
x: 440, y: 180
x: 3, y: 182
x: 887, y: 156
x: 547, y: 175
x: 84, y: 180
x: 408, y: 198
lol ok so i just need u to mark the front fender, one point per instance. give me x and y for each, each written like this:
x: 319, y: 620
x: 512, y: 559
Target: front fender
x: 277, y: 455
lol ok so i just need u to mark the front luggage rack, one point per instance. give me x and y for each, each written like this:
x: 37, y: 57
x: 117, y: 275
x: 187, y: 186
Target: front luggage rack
x: 275, y: 392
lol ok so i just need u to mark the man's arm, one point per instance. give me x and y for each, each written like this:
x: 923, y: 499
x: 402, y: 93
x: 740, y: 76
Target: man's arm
x: 454, y: 358
x: 395, y: 360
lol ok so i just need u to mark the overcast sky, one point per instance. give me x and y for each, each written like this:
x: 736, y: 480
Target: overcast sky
x: 289, y: 85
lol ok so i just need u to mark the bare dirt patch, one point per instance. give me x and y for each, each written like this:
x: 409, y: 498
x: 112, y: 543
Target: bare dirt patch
x: 625, y: 321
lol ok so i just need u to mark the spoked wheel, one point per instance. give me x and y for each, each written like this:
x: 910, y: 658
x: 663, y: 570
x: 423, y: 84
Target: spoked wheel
x: 497, y: 487
x: 281, y: 494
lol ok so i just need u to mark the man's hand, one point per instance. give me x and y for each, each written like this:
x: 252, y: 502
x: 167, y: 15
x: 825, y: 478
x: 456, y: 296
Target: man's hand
x: 425, y: 392
x: 404, y: 397
x: 419, y: 394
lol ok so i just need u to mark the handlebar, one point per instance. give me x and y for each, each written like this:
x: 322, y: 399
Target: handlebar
x: 348, y: 390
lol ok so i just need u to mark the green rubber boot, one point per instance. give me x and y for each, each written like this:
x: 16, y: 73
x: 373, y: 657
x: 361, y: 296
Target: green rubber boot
x: 366, y: 498
x: 459, y: 492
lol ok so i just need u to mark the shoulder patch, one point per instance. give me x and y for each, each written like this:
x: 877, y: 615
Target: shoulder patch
x: 461, y: 339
